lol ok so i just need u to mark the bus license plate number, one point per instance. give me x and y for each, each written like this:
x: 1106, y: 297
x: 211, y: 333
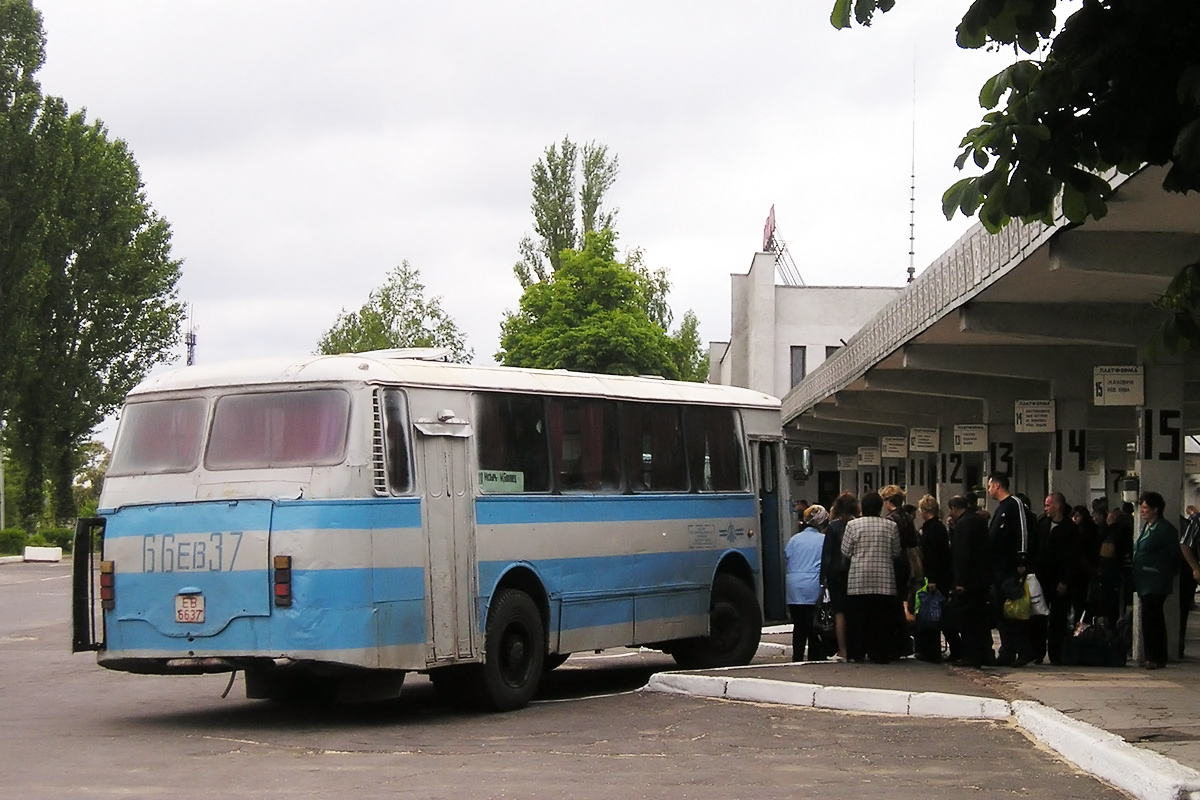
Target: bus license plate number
x: 189, y: 608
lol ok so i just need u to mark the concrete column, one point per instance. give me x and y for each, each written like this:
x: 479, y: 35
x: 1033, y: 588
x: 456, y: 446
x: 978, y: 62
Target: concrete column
x: 1069, y: 451
x: 1159, y: 467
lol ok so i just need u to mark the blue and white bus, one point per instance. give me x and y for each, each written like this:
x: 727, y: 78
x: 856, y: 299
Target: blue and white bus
x: 328, y: 524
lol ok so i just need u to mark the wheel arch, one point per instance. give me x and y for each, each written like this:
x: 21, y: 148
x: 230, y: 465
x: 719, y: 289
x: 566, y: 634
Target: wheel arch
x: 524, y: 577
x: 735, y: 563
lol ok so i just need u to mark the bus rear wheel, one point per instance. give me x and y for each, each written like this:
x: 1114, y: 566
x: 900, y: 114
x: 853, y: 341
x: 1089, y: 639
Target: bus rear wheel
x: 734, y: 629
x: 515, y: 651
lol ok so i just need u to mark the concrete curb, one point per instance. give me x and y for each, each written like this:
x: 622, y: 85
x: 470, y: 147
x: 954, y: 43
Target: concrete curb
x: 12, y: 559
x: 1144, y: 774
x: 837, y: 698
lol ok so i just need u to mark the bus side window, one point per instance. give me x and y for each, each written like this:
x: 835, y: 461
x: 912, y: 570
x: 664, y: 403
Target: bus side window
x: 716, y: 462
x: 512, y: 443
x: 395, y: 433
x: 583, y: 445
x: 653, y: 443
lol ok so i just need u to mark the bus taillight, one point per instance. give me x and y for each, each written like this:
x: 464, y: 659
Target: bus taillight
x: 283, y: 581
x: 108, y: 592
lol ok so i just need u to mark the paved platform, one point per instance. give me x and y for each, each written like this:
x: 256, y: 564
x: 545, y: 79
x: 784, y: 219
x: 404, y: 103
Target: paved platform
x: 1135, y: 728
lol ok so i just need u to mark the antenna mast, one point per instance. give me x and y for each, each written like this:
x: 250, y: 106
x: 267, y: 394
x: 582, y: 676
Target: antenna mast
x: 784, y: 264
x: 190, y: 339
x: 912, y: 186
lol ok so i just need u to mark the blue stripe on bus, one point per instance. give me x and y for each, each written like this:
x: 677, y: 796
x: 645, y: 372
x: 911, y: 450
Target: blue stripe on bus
x: 332, y: 610
x: 544, y: 509
x: 336, y: 609
x: 289, y: 515
x: 624, y: 574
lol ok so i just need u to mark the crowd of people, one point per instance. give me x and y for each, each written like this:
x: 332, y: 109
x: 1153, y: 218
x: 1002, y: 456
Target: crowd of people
x: 858, y: 572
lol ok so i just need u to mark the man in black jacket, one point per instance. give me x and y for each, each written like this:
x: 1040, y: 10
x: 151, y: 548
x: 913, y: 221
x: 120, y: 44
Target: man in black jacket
x: 1009, y: 535
x: 1057, y: 568
x: 972, y: 582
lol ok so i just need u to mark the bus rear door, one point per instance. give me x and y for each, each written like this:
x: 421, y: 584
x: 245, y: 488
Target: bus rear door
x: 448, y: 524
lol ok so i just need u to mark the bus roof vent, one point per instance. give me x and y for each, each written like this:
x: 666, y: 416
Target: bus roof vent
x: 413, y: 353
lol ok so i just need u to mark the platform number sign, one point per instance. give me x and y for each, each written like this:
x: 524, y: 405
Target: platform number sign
x: 1002, y: 458
x: 1162, y: 435
x: 952, y: 468
x: 1072, y: 441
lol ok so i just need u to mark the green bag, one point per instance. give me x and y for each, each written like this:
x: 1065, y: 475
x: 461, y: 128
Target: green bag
x: 1019, y: 608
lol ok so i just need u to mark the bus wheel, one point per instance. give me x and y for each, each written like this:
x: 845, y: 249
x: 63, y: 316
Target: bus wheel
x: 516, y: 649
x: 734, y: 629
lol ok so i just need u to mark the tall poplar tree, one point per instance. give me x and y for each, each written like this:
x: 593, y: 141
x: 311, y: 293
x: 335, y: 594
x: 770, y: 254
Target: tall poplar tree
x: 89, y: 285
x: 565, y: 174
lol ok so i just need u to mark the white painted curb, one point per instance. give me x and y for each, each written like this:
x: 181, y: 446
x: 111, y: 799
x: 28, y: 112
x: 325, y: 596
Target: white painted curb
x: 12, y: 559
x: 958, y: 706
x: 853, y: 698
x: 1145, y: 774
x: 43, y: 554
x: 840, y: 698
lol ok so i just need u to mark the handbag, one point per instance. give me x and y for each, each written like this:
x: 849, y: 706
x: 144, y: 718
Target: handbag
x: 1038, y: 606
x: 929, y: 609
x: 1018, y: 608
x: 824, y: 611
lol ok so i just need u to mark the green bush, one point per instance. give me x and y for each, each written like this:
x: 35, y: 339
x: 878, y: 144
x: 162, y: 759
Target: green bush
x: 58, y: 537
x: 12, y: 542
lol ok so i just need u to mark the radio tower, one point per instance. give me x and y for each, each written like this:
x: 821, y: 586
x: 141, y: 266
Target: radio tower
x: 912, y: 186
x: 190, y: 339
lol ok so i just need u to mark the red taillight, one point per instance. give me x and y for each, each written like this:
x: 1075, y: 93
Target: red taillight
x: 283, y: 581
x: 108, y: 588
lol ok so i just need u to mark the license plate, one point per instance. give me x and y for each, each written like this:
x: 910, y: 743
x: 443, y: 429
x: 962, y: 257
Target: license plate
x: 189, y: 608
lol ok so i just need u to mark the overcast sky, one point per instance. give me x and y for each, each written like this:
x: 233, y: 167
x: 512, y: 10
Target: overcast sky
x: 300, y: 150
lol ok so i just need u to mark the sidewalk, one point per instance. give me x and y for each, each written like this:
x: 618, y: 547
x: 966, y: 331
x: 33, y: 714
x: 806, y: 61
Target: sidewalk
x: 1140, y: 729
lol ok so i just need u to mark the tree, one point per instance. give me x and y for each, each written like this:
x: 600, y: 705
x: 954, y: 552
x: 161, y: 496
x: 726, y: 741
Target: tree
x: 86, y: 269
x: 554, y: 189
x: 554, y: 192
x: 1116, y: 88
x: 590, y: 315
x: 396, y: 315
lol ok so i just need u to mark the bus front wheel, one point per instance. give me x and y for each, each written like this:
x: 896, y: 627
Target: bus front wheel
x: 516, y: 650
x: 734, y: 629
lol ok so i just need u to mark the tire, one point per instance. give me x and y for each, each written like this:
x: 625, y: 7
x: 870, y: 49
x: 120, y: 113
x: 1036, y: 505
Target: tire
x: 515, y: 652
x: 734, y: 629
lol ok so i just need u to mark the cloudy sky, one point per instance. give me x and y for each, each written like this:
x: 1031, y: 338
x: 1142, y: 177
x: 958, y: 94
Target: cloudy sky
x: 301, y: 149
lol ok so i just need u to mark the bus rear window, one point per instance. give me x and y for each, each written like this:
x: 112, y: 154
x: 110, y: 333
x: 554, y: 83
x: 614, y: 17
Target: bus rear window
x: 159, y: 436
x: 305, y: 428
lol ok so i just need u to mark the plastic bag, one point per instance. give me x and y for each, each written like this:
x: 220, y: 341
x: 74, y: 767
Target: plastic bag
x: 1038, y: 606
x: 1018, y: 608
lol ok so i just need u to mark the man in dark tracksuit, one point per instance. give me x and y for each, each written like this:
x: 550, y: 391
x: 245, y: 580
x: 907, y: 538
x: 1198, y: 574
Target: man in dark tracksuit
x: 1009, y: 540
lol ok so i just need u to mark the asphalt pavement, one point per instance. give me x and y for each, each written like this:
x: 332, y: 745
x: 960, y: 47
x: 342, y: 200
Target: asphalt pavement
x: 1138, y: 730
x: 1134, y: 728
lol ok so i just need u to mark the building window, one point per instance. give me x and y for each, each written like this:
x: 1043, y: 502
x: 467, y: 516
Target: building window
x: 830, y: 349
x: 798, y: 356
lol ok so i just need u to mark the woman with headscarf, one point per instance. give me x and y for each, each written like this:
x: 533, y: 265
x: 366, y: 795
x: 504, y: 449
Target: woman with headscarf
x: 803, y: 554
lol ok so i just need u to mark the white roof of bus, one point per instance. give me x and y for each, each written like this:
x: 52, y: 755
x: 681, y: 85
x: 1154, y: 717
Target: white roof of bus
x: 370, y: 368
